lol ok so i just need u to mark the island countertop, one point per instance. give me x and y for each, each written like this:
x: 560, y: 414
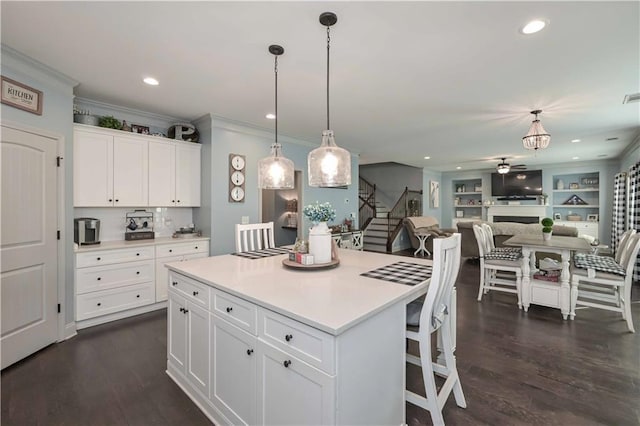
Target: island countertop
x: 332, y: 300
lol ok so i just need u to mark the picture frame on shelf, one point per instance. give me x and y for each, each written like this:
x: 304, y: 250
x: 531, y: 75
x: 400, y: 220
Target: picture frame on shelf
x: 589, y: 181
x: 477, y: 187
x: 143, y: 130
x: 593, y: 217
x: 574, y: 185
x: 557, y: 216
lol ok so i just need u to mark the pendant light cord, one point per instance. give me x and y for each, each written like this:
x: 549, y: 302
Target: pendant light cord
x: 276, y: 73
x: 328, y: 43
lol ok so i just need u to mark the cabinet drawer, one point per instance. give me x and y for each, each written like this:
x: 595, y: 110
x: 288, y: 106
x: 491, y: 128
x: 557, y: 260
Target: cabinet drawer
x: 311, y: 345
x: 107, y: 257
x: 105, y: 302
x: 111, y: 276
x: 192, y: 290
x: 176, y: 249
x: 235, y: 310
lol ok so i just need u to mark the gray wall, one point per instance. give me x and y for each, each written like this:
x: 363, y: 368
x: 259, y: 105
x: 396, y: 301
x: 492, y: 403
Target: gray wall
x: 391, y: 179
x: 427, y: 210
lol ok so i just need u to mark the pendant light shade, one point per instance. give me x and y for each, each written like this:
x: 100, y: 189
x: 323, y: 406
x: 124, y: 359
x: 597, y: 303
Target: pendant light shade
x: 536, y: 138
x: 276, y: 171
x: 329, y: 165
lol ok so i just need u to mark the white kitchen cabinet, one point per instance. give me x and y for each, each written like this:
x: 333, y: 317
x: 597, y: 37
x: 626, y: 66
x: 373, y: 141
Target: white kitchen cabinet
x: 175, y: 252
x: 292, y: 392
x: 174, y: 174
x: 109, y: 170
x: 233, y: 371
x: 188, y: 340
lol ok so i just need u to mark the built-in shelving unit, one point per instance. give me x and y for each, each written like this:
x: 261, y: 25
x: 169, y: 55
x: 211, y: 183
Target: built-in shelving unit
x: 586, y: 186
x: 467, y: 200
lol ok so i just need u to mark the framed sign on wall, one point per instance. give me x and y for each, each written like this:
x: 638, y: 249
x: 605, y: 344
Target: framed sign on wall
x: 21, y: 96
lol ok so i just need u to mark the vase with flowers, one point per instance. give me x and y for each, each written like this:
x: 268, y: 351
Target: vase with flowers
x: 319, y: 234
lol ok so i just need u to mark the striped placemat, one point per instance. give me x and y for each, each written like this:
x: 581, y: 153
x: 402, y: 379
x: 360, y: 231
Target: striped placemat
x: 259, y: 254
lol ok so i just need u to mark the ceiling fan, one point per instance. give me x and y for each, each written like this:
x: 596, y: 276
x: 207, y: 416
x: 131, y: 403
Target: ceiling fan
x: 504, y: 168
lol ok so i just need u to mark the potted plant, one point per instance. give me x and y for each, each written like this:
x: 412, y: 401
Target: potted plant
x: 547, y: 228
x: 110, y: 122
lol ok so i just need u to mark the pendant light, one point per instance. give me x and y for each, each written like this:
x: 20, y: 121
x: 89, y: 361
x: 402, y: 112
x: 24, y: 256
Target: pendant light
x: 537, y: 138
x: 329, y: 165
x: 275, y: 171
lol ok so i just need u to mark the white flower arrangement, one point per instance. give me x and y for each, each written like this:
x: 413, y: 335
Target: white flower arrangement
x: 319, y: 212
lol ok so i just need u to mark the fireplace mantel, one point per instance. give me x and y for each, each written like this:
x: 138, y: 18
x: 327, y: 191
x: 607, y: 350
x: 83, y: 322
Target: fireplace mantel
x: 529, y: 211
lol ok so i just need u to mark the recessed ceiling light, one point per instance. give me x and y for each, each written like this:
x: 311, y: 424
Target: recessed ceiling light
x: 151, y: 81
x: 533, y: 26
x: 458, y: 168
x: 271, y: 116
x: 602, y: 155
x: 611, y: 139
x: 575, y: 140
x: 427, y: 158
x: 575, y: 158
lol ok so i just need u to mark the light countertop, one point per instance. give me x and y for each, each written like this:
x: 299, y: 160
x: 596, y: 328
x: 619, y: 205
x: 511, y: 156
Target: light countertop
x: 332, y: 300
x: 120, y: 244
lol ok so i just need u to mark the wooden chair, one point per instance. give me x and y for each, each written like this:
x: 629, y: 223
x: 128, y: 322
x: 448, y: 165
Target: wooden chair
x: 254, y: 236
x: 606, y: 290
x: 494, y: 263
x: 436, y: 314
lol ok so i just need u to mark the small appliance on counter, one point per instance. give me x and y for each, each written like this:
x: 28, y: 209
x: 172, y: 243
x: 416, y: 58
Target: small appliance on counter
x: 187, y: 232
x: 86, y: 231
x: 139, y: 225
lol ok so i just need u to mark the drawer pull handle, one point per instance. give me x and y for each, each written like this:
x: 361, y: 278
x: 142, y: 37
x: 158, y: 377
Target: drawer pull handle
x: 249, y: 351
x: 229, y: 309
x: 174, y: 283
x: 99, y: 278
x: 99, y: 304
x: 287, y: 363
x: 195, y: 293
x: 288, y: 337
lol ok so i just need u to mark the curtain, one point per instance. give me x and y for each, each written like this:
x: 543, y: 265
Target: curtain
x: 634, y: 207
x: 619, y: 214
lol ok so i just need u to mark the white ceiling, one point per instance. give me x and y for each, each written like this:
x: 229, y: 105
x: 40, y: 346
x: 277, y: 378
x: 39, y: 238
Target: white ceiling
x: 451, y: 80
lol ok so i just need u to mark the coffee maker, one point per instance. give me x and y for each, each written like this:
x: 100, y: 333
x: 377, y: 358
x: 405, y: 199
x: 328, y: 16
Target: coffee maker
x: 86, y: 231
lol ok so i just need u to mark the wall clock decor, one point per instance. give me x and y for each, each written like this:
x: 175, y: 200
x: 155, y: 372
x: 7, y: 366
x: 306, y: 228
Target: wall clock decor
x: 237, y: 178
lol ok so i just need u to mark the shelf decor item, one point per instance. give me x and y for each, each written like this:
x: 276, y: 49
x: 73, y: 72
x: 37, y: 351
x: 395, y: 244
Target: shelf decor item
x: 110, y: 122
x: 319, y: 234
x: 547, y: 228
x: 591, y: 182
x: 574, y: 200
x: 560, y: 184
x: 574, y: 185
x: 592, y: 217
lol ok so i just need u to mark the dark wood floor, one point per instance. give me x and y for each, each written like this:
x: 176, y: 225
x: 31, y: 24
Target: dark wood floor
x: 515, y: 368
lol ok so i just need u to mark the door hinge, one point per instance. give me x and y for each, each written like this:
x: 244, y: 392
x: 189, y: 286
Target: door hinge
x: 59, y: 308
x: 58, y: 160
x: 58, y: 234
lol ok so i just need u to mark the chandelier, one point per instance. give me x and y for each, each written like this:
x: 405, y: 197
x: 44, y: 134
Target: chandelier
x: 536, y: 138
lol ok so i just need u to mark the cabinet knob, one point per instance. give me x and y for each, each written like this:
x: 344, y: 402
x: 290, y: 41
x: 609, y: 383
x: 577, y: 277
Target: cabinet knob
x: 229, y: 309
x: 99, y: 258
x: 181, y: 309
x: 249, y: 351
x: 288, y: 337
x: 117, y: 200
x: 99, y: 278
x: 138, y: 295
x: 137, y: 272
x: 170, y: 250
x: 137, y: 254
x: 287, y: 363
x: 195, y: 293
x: 186, y: 310
x: 196, y: 247
x: 99, y: 304
x: 111, y: 200
x: 174, y: 283
x: 173, y: 201
x: 178, y: 200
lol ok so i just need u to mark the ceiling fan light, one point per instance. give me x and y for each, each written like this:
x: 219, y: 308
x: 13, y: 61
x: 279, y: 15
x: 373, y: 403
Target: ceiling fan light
x: 503, y: 168
x: 329, y: 165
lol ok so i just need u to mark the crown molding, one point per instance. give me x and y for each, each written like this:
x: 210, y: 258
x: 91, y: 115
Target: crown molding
x: 635, y: 144
x: 157, y: 118
x: 20, y: 63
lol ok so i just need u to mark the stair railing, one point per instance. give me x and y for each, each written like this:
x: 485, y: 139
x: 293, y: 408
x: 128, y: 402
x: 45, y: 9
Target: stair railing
x: 367, y: 196
x: 409, y: 204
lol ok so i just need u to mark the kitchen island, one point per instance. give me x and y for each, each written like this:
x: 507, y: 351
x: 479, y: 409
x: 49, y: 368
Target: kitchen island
x: 253, y: 342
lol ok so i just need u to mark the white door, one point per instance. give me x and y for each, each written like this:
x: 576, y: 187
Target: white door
x: 130, y: 172
x: 162, y: 174
x: 187, y: 175
x: 28, y: 244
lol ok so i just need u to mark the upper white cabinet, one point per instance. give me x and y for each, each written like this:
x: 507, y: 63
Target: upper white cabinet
x: 174, y: 174
x: 115, y: 168
x: 109, y: 170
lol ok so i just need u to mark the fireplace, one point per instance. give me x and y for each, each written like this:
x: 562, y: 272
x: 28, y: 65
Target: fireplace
x: 519, y: 219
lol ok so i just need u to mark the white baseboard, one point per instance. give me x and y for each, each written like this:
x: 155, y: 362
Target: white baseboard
x: 70, y: 331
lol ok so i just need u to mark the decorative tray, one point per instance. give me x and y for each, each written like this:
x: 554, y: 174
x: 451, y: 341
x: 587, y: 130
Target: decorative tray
x: 315, y: 267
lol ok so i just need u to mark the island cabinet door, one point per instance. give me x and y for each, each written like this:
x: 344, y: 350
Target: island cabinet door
x: 292, y: 392
x: 177, y: 332
x: 197, y: 368
x: 233, y: 372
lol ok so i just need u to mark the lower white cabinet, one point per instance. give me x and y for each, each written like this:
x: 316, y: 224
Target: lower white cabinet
x: 175, y: 252
x: 584, y: 227
x: 188, y: 341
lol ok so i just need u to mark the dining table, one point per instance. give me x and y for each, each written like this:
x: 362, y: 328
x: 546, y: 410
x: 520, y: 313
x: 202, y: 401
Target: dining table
x: 542, y: 292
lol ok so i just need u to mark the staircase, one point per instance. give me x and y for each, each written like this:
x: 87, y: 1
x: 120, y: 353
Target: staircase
x: 376, y: 235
